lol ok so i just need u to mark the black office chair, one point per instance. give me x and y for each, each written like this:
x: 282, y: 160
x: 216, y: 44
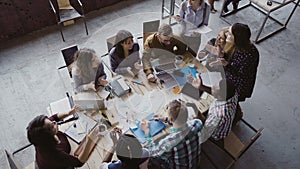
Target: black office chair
x: 68, y: 55
x: 65, y: 14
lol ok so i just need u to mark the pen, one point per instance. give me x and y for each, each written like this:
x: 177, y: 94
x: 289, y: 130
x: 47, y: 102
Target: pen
x: 138, y: 83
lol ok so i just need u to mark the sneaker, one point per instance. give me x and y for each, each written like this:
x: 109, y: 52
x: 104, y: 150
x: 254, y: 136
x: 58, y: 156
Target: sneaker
x: 225, y: 9
x: 213, y: 11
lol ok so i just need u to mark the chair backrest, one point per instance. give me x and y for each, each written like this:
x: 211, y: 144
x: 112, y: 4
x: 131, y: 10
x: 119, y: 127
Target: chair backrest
x: 110, y: 42
x: 68, y: 54
x: 149, y: 28
x: 240, y: 139
x: 236, y: 144
x: 11, y: 163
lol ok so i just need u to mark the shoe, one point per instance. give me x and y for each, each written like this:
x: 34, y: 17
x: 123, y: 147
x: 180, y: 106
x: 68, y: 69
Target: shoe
x: 225, y: 9
x: 213, y: 11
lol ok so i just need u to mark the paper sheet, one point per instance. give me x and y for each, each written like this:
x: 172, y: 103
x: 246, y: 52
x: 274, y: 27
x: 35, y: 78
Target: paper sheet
x: 211, y: 78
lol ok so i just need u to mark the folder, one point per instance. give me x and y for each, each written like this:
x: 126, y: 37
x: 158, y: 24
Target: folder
x: 155, y: 128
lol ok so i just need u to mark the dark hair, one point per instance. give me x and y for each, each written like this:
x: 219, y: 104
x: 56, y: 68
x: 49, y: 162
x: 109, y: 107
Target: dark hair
x: 227, y: 89
x: 38, y: 134
x: 121, y: 37
x: 242, y: 34
x: 129, y: 151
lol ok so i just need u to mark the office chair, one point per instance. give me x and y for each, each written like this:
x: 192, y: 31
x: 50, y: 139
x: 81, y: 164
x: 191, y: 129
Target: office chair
x: 149, y: 28
x: 64, y: 12
x: 170, y: 11
x: 266, y: 8
x: 68, y: 55
x: 110, y: 42
x: 240, y: 139
x: 12, y: 163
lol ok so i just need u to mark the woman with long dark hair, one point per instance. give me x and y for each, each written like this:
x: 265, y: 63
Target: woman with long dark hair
x: 124, y: 56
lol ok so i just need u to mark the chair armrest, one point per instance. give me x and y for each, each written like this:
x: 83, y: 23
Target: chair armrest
x: 79, y: 2
x: 22, y: 148
x: 62, y: 67
x: 52, y: 7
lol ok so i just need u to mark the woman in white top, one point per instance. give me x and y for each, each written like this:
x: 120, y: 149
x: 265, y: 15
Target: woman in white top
x: 192, y: 15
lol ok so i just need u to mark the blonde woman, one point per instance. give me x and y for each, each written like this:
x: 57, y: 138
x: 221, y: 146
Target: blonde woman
x: 88, y: 71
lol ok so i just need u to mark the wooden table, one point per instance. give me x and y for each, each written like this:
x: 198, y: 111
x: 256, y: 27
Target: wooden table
x: 125, y: 111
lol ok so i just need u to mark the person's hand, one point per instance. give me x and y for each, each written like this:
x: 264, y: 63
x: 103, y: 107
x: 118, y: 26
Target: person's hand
x: 201, y: 54
x: 113, y: 136
x: 151, y: 78
x: 138, y: 66
x: 129, y: 70
x: 215, y: 50
x: 76, y: 108
x: 102, y: 81
x: 197, y: 83
x: 219, y: 62
x: 145, y: 126
x: 159, y: 117
x: 177, y: 18
x: 90, y: 86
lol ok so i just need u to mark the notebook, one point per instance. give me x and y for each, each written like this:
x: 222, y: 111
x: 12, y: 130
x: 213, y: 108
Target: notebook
x: 155, y: 128
x: 167, y: 67
x: 78, y: 130
x: 91, y: 104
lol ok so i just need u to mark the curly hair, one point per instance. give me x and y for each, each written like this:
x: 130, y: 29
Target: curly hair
x: 84, y: 62
x: 38, y: 134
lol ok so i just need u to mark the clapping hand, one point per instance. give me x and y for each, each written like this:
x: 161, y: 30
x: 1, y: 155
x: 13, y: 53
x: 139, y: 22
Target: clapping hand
x: 113, y: 134
x: 197, y: 83
x: 218, y: 62
x: 145, y: 126
x: 102, y: 81
x: 76, y: 108
x: 215, y: 50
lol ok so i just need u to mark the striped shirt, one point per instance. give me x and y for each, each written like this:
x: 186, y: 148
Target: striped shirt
x: 219, y: 119
x: 181, y: 148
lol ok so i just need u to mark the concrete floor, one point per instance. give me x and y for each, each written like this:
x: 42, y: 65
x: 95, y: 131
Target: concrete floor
x: 29, y: 79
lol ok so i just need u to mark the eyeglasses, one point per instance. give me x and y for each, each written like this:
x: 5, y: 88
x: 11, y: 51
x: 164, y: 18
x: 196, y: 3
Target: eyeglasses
x: 165, y: 39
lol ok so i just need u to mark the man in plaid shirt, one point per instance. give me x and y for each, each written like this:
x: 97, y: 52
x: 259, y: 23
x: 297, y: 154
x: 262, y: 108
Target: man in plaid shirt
x: 221, y: 112
x: 181, y: 148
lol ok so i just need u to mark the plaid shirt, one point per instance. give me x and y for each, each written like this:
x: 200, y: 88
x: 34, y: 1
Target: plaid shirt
x: 219, y: 119
x: 181, y: 148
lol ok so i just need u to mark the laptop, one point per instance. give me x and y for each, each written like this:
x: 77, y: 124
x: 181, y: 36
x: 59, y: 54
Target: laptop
x: 190, y: 91
x: 167, y: 67
x: 91, y: 104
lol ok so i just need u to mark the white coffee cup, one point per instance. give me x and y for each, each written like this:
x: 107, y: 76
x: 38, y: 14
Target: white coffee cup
x: 178, y: 59
x: 102, y: 129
